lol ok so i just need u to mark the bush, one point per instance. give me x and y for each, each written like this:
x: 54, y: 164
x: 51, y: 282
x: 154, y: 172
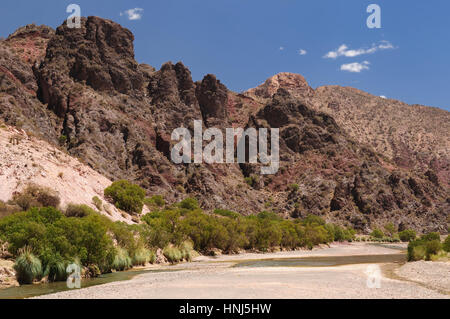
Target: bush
x: 313, y: 219
x: 268, y: 215
x: 189, y: 204
x: 56, y: 269
x: 122, y: 260
x: 186, y: 249
x: 28, y: 267
x: 432, y: 247
x: 173, y: 254
x: 407, y: 235
x: 424, y: 248
x: 417, y: 253
x: 79, y: 211
x: 141, y: 257
x: 389, y: 228
x: 126, y: 196
x: 49, y: 233
x: 226, y: 213
x: 294, y: 187
x: 36, y: 196
x: 446, y: 245
x: 377, y: 233
x: 431, y: 236
x: 97, y: 202
x: 155, y: 201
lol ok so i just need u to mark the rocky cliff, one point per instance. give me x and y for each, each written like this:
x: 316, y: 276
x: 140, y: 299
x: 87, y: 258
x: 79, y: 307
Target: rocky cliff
x: 355, y: 159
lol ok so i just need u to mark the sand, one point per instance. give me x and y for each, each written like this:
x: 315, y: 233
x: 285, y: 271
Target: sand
x: 214, y: 277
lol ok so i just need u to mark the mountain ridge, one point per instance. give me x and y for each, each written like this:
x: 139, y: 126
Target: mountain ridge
x: 90, y: 96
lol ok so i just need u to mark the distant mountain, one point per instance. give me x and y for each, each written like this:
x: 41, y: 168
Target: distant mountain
x: 348, y: 156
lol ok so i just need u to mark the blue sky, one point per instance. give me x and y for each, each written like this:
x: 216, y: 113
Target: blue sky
x: 244, y: 42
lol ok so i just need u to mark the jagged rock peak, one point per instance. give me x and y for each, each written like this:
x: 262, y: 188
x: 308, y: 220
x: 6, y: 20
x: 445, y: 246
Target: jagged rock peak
x: 172, y: 84
x: 212, y: 97
x: 100, y: 53
x: 292, y: 82
x: 105, y: 33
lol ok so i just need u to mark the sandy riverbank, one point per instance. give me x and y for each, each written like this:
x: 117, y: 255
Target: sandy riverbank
x: 432, y: 274
x: 214, y: 277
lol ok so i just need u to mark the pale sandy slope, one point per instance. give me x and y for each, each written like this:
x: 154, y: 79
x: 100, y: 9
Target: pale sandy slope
x: 36, y: 161
x: 217, y: 280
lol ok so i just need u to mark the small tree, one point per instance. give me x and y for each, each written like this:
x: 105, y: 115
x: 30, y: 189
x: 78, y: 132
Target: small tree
x: 407, y: 235
x: 446, y: 244
x: 126, y: 196
x: 189, y: 203
x: 389, y: 228
x: 377, y: 233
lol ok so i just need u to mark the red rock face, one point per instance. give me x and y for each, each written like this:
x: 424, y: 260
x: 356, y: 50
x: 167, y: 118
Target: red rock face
x: 30, y: 42
x: 357, y: 159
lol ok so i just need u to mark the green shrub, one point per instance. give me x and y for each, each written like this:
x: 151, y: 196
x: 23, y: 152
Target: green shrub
x: 79, y: 211
x: 173, y: 254
x: 226, y: 213
x: 141, y: 257
x: 313, y: 219
x: 377, y: 233
x: 431, y: 236
x: 446, y: 245
x: 407, y: 235
x: 155, y: 201
x: 97, y: 202
x: 268, y: 215
x: 56, y: 269
x: 28, y: 267
x: 432, y: 247
x: 294, y: 187
x: 126, y: 196
x: 187, y: 249
x: 417, y: 253
x: 152, y: 257
x: 424, y: 248
x: 122, y: 260
x: 390, y: 229
x: 48, y: 232
x: 189, y: 203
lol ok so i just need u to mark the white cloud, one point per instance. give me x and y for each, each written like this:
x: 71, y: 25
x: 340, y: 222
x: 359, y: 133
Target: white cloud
x: 343, y: 50
x: 133, y: 14
x: 302, y: 52
x: 355, y: 67
x: 383, y: 97
x: 281, y: 48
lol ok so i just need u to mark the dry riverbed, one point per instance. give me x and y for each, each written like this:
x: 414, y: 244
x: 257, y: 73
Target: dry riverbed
x: 215, y: 277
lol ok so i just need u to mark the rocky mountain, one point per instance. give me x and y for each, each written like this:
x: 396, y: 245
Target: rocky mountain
x: 412, y: 136
x: 345, y: 155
